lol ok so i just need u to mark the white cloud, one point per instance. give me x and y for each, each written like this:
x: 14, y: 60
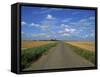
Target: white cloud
x: 64, y: 26
x: 50, y: 17
x: 92, y: 34
x: 67, y: 30
x: 73, y: 30
x: 70, y: 30
x: 85, y: 36
x: 43, y: 26
x: 81, y: 22
x: 65, y: 34
x: 34, y: 25
x: 23, y: 23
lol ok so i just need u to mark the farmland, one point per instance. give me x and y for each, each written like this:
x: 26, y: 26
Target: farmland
x: 58, y: 55
x: 84, y: 49
x: 54, y: 54
x: 33, y: 51
x: 29, y: 43
x: 84, y: 45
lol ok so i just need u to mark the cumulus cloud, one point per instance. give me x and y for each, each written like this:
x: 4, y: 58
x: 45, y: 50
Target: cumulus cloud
x: 23, y: 23
x: 50, y: 17
x: 64, y: 26
x: 70, y: 30
x: 43, y: 26
x: 34, y: 25
x: 67, y: 32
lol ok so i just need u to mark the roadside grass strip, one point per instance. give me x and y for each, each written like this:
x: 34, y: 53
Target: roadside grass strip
x: 32, y: 54
x: 89, y: 55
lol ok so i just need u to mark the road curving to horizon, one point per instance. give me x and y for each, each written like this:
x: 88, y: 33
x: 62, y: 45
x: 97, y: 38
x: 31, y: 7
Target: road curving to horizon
x: 60, y: 56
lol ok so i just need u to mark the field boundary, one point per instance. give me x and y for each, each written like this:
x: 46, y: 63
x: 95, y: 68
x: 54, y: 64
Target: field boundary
x: 30, y: 55
x: 89, y: 55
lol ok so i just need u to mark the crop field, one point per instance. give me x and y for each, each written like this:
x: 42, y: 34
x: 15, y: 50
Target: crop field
x: 51, y: 53
x: 29, y: 44
x: 33, y: 50
x: 84, y: 49
x: 84, y: 45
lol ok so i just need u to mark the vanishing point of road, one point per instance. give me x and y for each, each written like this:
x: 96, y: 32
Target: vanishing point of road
x: 60, y: 56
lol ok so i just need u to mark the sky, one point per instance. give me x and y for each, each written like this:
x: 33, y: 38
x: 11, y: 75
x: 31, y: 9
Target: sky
x: 42, y: 23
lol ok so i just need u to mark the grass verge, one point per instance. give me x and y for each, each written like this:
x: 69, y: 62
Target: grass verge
x: 89, y: 55
x: 32, y: 54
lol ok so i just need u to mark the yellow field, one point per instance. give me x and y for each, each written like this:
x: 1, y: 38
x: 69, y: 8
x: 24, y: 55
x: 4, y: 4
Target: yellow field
x: 85, y: 45
x: 30, y: 44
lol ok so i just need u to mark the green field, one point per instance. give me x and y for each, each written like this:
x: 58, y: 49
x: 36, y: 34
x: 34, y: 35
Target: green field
x: 30, y: 55
x: 89, y: 55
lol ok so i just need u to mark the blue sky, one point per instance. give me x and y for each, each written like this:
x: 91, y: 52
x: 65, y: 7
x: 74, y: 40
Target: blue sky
x: 40, y: 23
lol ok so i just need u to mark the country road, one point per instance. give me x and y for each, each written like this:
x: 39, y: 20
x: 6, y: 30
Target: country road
x: 61, y: 56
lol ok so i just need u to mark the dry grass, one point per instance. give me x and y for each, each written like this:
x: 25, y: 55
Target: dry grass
x: 30, y: 44
x: 85, y: 45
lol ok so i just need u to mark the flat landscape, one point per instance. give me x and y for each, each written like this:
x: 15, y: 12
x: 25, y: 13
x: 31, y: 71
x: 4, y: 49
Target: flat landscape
x: 85, y: 45
x: 54, y: 56
x: 33, y: 50
x: 29, y: 43
x: 57, y: 38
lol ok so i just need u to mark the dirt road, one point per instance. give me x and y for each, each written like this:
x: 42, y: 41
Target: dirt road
x: 61, y: 56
